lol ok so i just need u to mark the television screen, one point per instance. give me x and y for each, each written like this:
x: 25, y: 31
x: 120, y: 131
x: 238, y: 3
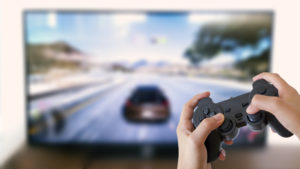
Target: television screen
x: 122, y: 77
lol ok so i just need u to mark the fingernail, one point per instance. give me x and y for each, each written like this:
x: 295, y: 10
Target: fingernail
x: 223, y: 155
x: 249, y: 109
x: 218, y: 117
x: 223, y: 152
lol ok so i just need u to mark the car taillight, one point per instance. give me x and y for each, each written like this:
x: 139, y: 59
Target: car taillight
x: 166, y: 103
x: 128, y: 103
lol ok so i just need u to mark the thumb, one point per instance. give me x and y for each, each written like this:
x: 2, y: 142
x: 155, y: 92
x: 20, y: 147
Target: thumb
x: 206, y: 126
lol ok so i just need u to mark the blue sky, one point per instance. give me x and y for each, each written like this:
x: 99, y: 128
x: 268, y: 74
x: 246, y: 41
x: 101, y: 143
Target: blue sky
x: 131, y: 36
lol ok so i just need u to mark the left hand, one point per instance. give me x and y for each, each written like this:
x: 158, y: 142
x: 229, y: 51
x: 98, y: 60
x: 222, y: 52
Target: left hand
x: 192, y: 151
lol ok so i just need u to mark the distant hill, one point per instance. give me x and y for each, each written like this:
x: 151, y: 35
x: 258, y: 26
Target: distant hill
x: 42, y: 57
x: 143, y: 62
x: 140, y: 63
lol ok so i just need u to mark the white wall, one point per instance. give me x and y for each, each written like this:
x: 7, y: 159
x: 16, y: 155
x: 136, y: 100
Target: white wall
x: 12, y: 115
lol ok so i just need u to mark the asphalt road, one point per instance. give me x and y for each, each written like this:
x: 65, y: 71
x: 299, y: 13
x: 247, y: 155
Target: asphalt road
x: 101, y: 120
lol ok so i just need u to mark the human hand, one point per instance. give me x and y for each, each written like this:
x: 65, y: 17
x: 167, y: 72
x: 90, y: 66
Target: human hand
x: 192, y: 151
x: 286, y: 107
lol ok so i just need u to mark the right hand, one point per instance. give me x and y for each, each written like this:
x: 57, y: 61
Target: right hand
x: 286, y: 107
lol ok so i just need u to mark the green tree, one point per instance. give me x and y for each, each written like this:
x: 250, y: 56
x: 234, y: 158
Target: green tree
x: 255, y: 65
x: 228, y: 34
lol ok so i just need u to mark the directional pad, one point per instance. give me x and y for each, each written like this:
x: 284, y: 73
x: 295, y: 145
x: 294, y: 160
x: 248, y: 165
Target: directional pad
x: 206, y: 110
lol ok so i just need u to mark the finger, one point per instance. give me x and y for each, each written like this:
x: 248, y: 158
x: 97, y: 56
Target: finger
x: 228, y: 142
x: 222, y: 155
x: 270, y: 104
x: 275, y: 79
x: 206, y: 126
x: 187, y: 112
x: 188, y: 107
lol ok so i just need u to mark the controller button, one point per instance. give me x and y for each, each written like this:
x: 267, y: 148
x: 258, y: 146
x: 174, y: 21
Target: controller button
x: 238, y: 115
x: 245, y: 104
x: 211, y: 114
x: 227, y: 110
x: 226, y: 126
x: 240, y: 124
x: 261, y: 90
x: 255, y: 117
x: 206, y: 110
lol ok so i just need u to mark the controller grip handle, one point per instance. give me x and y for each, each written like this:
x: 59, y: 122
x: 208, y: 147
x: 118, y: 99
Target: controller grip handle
x: 213, y: 145
x: 277, y: 126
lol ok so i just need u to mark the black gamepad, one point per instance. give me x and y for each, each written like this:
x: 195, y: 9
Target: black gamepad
x: 234, y: 110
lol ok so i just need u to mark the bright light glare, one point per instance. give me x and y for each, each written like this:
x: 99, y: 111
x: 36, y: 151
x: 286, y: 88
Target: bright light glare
x: 126, y: 19
x: 204, y: 18
x: 52, y: 20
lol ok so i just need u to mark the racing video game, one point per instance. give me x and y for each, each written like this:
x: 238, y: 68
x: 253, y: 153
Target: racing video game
x: 122, y: 77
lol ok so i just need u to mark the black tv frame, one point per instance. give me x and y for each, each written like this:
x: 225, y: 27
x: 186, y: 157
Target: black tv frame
x: 131, y: 149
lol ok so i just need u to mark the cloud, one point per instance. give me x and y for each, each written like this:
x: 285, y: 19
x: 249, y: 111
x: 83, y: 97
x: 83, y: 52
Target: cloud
x: 220, y: 60
x: 122, y: 22
x: 127, y: 19
x: 196, y: 18
x: 52, y: 21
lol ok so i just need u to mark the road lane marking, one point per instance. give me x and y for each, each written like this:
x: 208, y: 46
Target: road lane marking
x: 142, y: 134
x: 35, y: 129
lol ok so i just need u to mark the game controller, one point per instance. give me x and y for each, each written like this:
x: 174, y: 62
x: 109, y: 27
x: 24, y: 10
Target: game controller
x: 234, y: 110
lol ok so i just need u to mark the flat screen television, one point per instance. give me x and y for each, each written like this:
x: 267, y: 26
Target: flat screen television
x: 120, y: 78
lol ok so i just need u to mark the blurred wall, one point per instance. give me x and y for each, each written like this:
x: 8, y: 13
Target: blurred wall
x: 12, y: 116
